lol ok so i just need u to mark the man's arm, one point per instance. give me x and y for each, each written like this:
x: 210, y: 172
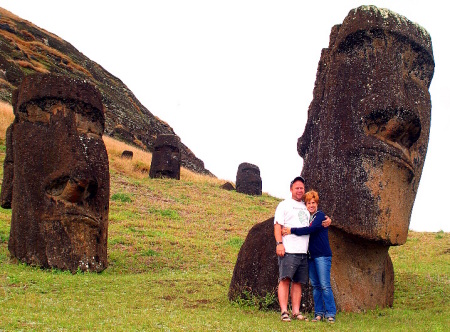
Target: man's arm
x: 326, y: 222
x: 279, y: 239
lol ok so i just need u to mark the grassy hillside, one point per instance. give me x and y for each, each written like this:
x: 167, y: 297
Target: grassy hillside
x: 172, y: 248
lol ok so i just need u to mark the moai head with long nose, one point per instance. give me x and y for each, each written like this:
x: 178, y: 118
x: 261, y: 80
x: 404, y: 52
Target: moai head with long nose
x: 368, y: 125
x: 56, y: 175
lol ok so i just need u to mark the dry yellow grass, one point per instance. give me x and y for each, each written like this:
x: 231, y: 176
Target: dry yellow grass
x: 138, y: 167
x: 6, y: 117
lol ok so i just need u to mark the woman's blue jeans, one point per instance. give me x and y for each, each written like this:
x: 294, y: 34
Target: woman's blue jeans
x: 319, y: 276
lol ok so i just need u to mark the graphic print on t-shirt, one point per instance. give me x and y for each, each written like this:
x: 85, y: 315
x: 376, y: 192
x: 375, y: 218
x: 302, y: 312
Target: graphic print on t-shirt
x: 303, y: 218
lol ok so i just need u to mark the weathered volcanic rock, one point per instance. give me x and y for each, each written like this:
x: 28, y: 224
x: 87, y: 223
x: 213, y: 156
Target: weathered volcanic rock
x: 127, y: 154
x: 256, y: 269
x: 56, y: 178
x: 248, y: 180
x: 364, y: 145
x: 227, y: 186
x: 166, y: 159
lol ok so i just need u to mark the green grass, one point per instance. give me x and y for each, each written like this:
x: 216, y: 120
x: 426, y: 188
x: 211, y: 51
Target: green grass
x: 171, y: 250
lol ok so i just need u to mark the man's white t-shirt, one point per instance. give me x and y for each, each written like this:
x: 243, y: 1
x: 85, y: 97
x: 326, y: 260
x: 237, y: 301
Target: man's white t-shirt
x: 291, y: 213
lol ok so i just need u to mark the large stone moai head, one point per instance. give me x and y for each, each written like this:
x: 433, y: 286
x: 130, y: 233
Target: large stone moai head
x: 166, y: 159
x: 364, y: 146
x: 368, y: 125
x: 248, y: 180
x: 56, y: 177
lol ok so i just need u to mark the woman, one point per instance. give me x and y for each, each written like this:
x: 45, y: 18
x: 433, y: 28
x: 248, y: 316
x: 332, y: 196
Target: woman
x: 320, y: 259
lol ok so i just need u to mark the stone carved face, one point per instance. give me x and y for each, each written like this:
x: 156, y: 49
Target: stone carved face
x: 60, y: 196
x: 166, y: 159
x: 367, y: 133
x: 248, y: 179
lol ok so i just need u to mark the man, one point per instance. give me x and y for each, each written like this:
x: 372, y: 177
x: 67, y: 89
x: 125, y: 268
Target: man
x: 292, y: 249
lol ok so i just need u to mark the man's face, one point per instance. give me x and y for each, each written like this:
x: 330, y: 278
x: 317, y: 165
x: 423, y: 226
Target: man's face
x: 297, y: 190
x: 373, y: 131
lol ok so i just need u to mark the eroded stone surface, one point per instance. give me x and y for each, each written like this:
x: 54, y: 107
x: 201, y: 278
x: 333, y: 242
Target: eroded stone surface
x: 166, y: 158
x: 364, y: 145
x: 127, y: 154
x: 256, y: 269
x: 248, y: 180
x: 57, y: 175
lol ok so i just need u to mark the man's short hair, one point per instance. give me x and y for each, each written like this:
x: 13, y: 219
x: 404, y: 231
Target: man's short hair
x: 297, y: 178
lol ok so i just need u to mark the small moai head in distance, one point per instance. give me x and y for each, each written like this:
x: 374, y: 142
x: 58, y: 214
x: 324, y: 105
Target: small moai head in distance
x: 57, y: 179
x: 248, y: 180
x: 126, y: 154
x: 166, y: 157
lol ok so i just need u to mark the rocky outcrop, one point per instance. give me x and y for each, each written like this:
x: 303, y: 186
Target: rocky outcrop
x: 26, y: 48
x: 364, y: 146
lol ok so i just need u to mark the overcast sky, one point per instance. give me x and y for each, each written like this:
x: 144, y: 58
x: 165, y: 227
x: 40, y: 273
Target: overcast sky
x: 235, y: 78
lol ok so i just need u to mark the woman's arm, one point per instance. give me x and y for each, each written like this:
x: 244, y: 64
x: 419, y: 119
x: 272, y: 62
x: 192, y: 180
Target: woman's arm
x: 314, y: 227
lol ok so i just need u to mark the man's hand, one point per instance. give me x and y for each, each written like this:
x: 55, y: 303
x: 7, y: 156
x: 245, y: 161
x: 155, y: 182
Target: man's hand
x: 280, y: 250
x: 326, y: 222
x: 279, y: 238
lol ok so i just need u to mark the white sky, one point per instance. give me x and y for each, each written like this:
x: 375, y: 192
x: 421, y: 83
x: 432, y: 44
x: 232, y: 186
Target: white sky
x: 234, y: 78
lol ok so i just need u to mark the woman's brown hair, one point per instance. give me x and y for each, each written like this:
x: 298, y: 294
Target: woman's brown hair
x: 312, y: 194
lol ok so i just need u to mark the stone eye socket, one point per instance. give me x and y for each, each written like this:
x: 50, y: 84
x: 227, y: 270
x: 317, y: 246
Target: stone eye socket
x: 71, y: 189
x: 56, y: 187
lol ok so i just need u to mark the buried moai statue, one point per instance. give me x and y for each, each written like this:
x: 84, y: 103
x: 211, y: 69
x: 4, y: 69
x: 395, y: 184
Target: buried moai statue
x: 255, y: 273
x: 166, y: 158
x: 56, y: 175
x: 364, y: 146
x: 127, y: 154
x: 248, y: 180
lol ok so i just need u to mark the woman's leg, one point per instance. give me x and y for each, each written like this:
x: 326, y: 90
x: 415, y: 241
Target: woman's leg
x: 323, y: 270
x: 319, y: 309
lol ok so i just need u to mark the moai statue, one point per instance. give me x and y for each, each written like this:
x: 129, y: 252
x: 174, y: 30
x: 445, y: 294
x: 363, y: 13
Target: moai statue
x: 228, y: 186
x: 56, y: 175
x: 126, y: 154
x: 248, y: 180
x: 364, y: 146
x: 166, y: 159
x: 256, y: 270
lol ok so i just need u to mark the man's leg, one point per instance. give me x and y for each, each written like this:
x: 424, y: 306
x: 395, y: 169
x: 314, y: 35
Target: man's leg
x: 283, y: 294
x: 296, y: 296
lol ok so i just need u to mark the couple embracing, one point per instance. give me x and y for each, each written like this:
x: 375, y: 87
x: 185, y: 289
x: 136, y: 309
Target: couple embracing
x: 297, y: 224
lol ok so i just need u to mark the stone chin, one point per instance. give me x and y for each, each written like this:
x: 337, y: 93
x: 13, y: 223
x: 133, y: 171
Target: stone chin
x: 77, y: 237
x: 390, y: 183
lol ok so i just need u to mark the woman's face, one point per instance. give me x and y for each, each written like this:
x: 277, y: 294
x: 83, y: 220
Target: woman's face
x: 311, y: 205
